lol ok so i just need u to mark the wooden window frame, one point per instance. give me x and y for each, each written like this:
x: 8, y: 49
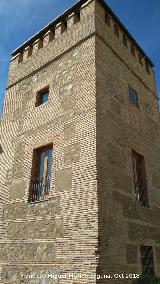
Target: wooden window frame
x: 39, y: 94
x: 35, y: 169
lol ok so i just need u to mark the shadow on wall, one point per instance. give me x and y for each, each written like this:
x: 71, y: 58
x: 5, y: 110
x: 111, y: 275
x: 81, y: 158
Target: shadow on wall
x: 1, y: 150
x: 115, y: 254
x: 112, y: 231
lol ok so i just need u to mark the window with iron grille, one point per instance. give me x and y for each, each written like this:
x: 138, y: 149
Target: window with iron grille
x: 41, y: 173
x: 42, y: 96
x: 133, y: 96
x: 140, y: 182
x: 147, y: 261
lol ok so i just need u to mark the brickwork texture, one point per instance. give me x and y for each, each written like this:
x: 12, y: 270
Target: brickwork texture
x: 90, y: 222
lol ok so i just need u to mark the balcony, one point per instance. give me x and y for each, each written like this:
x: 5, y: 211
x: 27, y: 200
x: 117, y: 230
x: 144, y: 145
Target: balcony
x: 39, y: 189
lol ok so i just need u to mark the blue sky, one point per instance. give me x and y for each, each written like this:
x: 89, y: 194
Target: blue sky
x: 20, y: 19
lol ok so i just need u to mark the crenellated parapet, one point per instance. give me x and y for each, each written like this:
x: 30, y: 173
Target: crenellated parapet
x: 45, y: 39
x: 120, y: 34
x: 76, y: 24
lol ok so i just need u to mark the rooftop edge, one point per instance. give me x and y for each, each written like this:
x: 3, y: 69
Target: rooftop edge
x: 63, y: 17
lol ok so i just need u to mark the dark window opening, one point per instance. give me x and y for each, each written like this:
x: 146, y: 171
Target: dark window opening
x: 42, y: 97
x: 140, y: 182
x: 41, y: 173
x: 133, y: 96
x: 116, y: 29
x: 147, y: 261
x: 125, y: 40
x: 133, y: 50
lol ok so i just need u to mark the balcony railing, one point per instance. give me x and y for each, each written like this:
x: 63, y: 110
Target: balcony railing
x: 141, y: 194
x: 39, y: 188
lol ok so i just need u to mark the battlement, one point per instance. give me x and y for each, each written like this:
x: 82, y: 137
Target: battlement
x: 50, y: 33
x: 68, y: 19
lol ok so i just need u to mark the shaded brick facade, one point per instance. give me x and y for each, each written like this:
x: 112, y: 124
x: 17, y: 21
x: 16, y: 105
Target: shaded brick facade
x: 90, y: 222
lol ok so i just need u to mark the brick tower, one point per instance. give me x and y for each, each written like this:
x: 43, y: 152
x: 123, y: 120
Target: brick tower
x: 80, y: 154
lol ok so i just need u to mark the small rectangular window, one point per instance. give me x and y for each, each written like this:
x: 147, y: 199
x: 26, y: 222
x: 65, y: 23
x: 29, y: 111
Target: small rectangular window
x: 147, y: 261
x: 133, y: 96
x: 125, y: 40
x: 140, y: 182
x: 42, y: 96
x: 133, y: 50
x: 116, y: 29
x: 41, y: 173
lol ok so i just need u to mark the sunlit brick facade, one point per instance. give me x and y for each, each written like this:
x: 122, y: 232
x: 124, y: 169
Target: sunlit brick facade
x: 68, y: 87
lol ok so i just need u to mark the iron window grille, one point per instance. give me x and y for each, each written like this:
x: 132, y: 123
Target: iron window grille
x: 41, y: 174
